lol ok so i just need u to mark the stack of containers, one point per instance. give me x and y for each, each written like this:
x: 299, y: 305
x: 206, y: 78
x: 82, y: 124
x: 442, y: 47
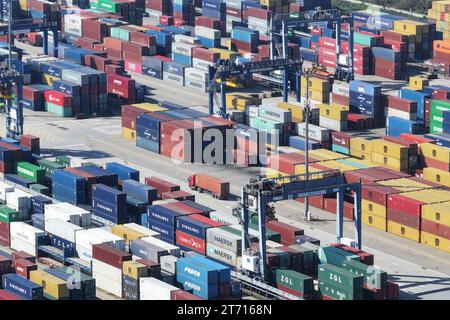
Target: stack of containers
x: 405, y: 211
x: 33, y: 98
x: 258, y: 19
x: 333, y: 117
x: 208, y: 37
x: 365, y: 99
x: 362, y: 62
x: 340, y: 142
x: 217, y: 10
x: 327, y: 52
x: 153, y: 66
x: 439, y: 12
x: 163, y: 41
x: 244, y: 40
x: 319, y: 89
x: 154, y: 289
x: 390, y: 155
x: 132, y: 271
x: 162, y: 220
x: 121, y: 86
x: 402, y: 108
x: 85, y: 239
x: 339, y: 284
x: 224, y: 245
x: 69, y: 187
x: 130, y: 114
x: 183, y: 12
x: 439, y: 116
x: 441, y: 51
x: 437, y: 157
x: 433, y: 227
x: 24, y: 237
x: 421, y: 32
x: 174, y: 72
x: 157, y: 8
x: 107, y: 264
x: 182, y: 52
x: 203, y: 58
x: 139, y: 191
x: 148, y: 130
x: 196, y: 79
x: 388, y: 63
x: 198, y: 276
x: 123, y: 172
x: 235, y: 10
x: 191, y: 232
x: 21, y: 287
x: 7, y: 215
x: 109, y: 203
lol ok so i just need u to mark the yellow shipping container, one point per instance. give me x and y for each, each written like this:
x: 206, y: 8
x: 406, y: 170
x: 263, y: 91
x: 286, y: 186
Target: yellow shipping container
x: 373, y: 221
x: 316, y: 84
x: 405, y: 184
x: 128, y: 134
x: 225, y: 54
x: 127, y: 233
x: 324, y: 154
x: 435, y: 152
x: 54, y: 287
x: 322, y: 97
x: 409, y: 26
x: 134, y: 269
x: 360, y: 145
x: 363, y: 156
x: 231, y: 101
x: 435, y: 241
x: 150, y: 107
x: 429, y: 195
x: 419, y: 82
x: 403, y: 231
x: 343, y: 167
x: 437, y: 175
x: 296, y: 110
x: 389, y: 162
x: 23, y: 5
x: 437, y: 212
x: 301, y: 169
x: 335, y: 112
x: 48, y: 79
x: 390, y: 149
x: 373, y: 208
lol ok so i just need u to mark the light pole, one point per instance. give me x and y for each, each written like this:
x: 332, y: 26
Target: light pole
x: 307, y: 112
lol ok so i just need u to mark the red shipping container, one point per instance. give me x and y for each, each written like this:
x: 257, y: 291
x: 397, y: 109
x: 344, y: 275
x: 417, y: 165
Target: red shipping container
x: 314, y: 201
x: 133, y: 67
x: 259, y: 13
x: 23, y: 267
x: 5, y: 295
x: 330, y: 205
x: 110, y: 255
x: 121, y: 86
x: 205, y: 54
x: 377, y: 193
x: 166, y: 20
x: 16, y: 255
x: 401, y: 202
x: 435, y: 228
x: 30, y: 93
x: 179, y: 195
x: 341, y: 139
x: 366, y: 258
x: 415, y: 138
x: 291, y: 291
x: 190, y: 242
x: 287, y: 232
x: 5, y: 265
x: 325, y: 42
x: 183, y: 295
x: 184, y: 208
x: 402, y: 104
x: 433, y: 163
x: 403, y: 218
x: 58, y: 98
x: 142, y: 38
x: 392, y: 291
x: 340, y: 100
x: 206, y: 220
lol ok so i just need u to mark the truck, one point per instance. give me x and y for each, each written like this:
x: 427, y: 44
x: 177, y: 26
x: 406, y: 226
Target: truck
x: 203, y: 182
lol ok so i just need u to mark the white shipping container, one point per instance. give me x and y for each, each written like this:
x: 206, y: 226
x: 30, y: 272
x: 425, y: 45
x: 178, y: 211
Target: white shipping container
x: 64, y: 211
x: 62, y: 229
x: 196, y: 74
x: 173, y: 250
x: 173, y: 78
x: 341, y: 88
x: 332, y: 124
x: 107, y: 278
x: 274, y: 113
x: 252, y: 111
x: 25, y: 231
x: 226, y: 256
x: 108, y: 285
x: 4, y: 188
x: 85, y: 253
x: 223, y: 218
x: 315, y: 132
x: 19, y: 244
x: 195, y: 84
x: 73, y: 24
x: 18, y: 199
x: 184, y: 38
x: 141, y: 229
x: 154, y: 289
x: 391, y: 112
x: 87, y: 238
x: 183, y: 48
x: 344, y: 59
x: 224, y: 239
x: 209, y: 33
x: 201, y: 64
x: 273, y: 244
x: 168, y: 263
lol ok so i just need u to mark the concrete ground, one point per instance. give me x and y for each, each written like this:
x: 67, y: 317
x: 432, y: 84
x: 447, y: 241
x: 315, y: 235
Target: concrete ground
x: 422, y: 272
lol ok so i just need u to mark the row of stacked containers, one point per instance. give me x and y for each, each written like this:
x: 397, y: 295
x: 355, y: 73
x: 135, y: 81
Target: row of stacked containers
x: 138, y: 255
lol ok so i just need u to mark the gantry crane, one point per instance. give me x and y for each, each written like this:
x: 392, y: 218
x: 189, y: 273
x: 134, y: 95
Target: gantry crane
x: 258, y: 194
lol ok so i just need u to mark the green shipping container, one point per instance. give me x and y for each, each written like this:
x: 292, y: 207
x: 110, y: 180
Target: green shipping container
x: 294, y: 280
x: 30, y: 171
x: 266, y: 125
x: 364, y: 39
x: 374, y: 278
x: 109, y: 5
x: 120, y: 33
x: 8, y: 215
x: 335, y: 256
x: 285, y: 257
x: 436, y: 109
x: 309, y: 254
x: 49, y: 166
x: 58, y: 110
x: 340, y: 277
x: 40, y: 188
x: 63, y: 160
x: 337, y: 293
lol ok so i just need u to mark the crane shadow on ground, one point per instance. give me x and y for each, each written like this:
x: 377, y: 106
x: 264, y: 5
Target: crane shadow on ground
x: 83, y: 154
x: 411, y: 282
